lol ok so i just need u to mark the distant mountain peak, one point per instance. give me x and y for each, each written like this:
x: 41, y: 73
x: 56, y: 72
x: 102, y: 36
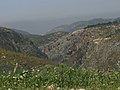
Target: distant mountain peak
x: 78, y: 25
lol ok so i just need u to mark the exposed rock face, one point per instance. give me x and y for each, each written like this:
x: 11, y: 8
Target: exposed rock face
x: 14, y: 41
x: 67, y: 45
x: 40, y: 41
x: 95, y: 46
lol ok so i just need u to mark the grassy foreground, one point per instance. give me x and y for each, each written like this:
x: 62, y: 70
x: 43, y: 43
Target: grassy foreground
x: 61, y: 77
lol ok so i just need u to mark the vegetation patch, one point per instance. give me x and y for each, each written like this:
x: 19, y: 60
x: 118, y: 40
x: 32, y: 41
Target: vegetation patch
x: 61, y: 77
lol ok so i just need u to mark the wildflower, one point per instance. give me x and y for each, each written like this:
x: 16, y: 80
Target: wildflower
x: 25, y: 71
x: 55, y: 68
x: 36, y: 85
x: 51, y: 87
x: 103, y: 84
x: 73, y: 69
x: 80, y: 89
x: 58, y: 88
x: 9, y: 88
x: 38, y: 70
x: 24, y: 75
x: 36, y: 75
x: 15, y: 83
x: 14, y: 77
x: 33, y: 70
x: 3, y: 57
x: 21, y: 77
x: 3, y: 71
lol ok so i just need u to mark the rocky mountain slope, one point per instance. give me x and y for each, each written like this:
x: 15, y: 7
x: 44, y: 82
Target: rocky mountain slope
x: 96, y: 46
x: 40, y: 41
x: 14, y: 41
x: 78, y: 25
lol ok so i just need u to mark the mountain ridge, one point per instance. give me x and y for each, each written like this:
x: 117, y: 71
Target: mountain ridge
x: 41, y: 40
x: 14, y: 41
x: 78, y: 25
x: 94, y: 46
x: 83, y: 48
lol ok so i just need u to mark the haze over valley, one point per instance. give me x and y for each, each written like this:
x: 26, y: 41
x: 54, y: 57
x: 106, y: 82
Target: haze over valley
x: 38, y: 17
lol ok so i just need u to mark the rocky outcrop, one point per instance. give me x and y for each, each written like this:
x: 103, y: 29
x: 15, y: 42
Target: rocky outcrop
x: 95, y: 46
x: 40, y: 40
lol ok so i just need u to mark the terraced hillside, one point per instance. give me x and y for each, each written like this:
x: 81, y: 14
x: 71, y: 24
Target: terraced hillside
x: 96, y: 46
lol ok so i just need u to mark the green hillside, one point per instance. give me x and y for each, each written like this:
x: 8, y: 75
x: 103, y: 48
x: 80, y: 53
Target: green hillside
x: 12, y: 62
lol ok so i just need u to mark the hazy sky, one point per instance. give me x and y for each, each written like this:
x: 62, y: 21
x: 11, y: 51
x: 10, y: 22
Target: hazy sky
x: 39, y: 16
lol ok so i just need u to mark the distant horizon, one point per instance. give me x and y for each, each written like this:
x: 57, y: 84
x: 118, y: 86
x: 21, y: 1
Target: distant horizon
x: 86, y: 19
x: 40, y: 16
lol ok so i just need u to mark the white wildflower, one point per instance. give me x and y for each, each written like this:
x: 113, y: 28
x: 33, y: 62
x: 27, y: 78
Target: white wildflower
x: 38, y: 70
x: 3, y: 57
x: 72, y: 89
x: 9, y: 88
x: 14, y: 77
x: 77, y: 89
x: 51, y: 87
